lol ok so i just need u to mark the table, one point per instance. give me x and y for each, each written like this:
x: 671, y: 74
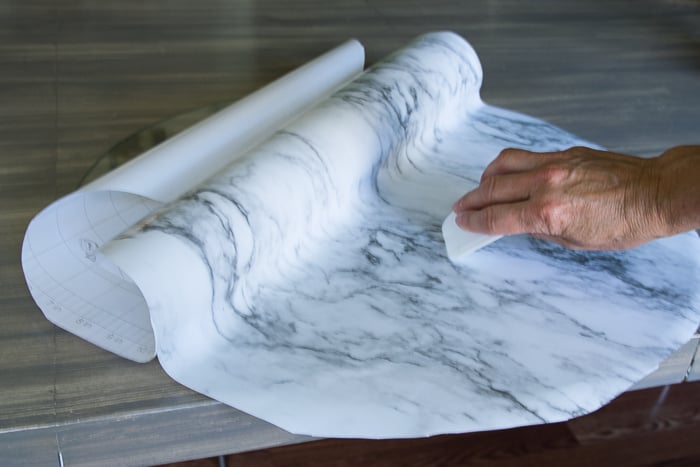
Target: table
x: 77, y: 77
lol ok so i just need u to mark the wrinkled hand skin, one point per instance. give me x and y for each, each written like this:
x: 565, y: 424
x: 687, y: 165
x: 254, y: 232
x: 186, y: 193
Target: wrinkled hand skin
x: 586, y: 199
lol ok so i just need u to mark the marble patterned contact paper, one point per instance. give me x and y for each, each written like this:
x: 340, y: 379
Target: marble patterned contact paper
x: 307, y: 283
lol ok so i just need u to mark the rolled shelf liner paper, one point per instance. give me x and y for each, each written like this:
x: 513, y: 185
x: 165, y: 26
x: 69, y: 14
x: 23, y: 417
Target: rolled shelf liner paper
x: 307, y: 284
x: 79, y: 289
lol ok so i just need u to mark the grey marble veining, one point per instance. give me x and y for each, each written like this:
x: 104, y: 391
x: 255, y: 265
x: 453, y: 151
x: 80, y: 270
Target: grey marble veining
x: 308, y: 285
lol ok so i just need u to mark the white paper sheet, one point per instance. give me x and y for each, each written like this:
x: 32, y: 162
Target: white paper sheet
x: 80, y: 290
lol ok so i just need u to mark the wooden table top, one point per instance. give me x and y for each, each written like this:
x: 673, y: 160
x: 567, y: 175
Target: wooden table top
x: 77, y: 77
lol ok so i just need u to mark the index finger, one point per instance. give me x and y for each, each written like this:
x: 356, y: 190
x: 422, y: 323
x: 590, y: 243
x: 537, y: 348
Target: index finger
x: 516, y: 160
x: 507, y: 188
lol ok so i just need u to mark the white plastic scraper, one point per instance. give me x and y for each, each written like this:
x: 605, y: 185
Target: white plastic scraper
x: 459, y: 242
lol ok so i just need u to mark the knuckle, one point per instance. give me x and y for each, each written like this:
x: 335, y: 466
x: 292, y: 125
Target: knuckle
x: 489, y: 187
x: 501, y: 160
x: 580, y: 153
x: 574, y: 150
x: 508, y: 152
x: 551, y: 216
x: 490, y: 220
x: 681, y: 151
x: 553, y: 175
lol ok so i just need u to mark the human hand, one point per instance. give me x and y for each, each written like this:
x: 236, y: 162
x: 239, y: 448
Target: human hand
x: 586, y: 199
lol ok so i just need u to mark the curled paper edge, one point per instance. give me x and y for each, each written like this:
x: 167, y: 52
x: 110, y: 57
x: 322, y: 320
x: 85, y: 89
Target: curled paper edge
x: 76, y: 287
